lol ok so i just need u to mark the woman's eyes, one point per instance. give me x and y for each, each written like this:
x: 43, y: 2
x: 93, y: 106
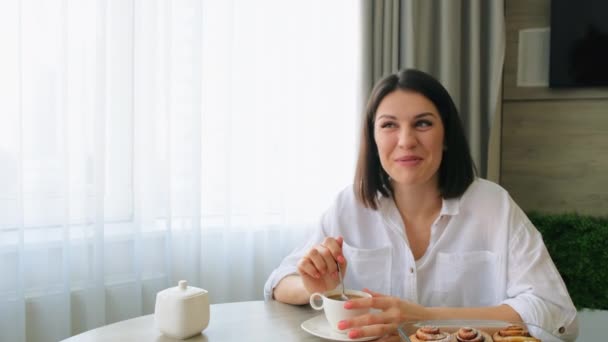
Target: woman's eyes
x: 423, y: 123
x: 417, y: 124
x: 388, y: 124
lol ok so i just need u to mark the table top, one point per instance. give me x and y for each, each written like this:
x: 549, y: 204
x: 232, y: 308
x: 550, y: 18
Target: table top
x: 241, y: 321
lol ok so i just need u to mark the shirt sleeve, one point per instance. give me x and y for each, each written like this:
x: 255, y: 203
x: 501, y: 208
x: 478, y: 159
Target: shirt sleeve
x: 535, y: 288
x: 289, y: 264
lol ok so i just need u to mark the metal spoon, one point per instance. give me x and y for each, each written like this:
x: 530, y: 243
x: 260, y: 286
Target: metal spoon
x: 342, y: 296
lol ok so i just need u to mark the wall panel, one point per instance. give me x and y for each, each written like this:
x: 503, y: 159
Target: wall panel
x: 555, y: 155
x: 554, y: 143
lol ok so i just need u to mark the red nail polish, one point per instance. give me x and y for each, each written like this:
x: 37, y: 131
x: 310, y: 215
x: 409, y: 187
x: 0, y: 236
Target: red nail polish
x: 353, y: 333
x: 348, y: 305
x: 342, y: 325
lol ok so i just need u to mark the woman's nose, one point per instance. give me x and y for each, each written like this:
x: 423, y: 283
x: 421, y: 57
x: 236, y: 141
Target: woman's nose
x: 407, y: 138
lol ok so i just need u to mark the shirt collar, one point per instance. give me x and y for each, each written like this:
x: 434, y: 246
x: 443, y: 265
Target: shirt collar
x: 450, y: 207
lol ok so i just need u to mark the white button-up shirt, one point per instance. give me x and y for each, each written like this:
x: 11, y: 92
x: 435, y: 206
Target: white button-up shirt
x: 483, y: 251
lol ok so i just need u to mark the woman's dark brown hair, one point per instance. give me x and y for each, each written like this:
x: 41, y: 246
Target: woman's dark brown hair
x: 456, y: 171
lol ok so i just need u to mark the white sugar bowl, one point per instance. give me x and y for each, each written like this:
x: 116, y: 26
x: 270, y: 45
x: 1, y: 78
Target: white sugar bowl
x: 182, y: 311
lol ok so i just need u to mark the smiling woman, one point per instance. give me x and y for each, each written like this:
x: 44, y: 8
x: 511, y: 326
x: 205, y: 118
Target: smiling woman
x: 407, y: 121
x: 420, y: 233
x: 144, y: 142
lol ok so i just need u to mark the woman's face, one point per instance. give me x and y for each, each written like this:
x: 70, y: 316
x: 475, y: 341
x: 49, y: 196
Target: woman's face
x: 409, y: 134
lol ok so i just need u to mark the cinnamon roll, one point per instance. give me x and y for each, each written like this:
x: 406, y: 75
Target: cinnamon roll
x: 467, y: 334
x: 430, y: 333
x: 514, y: 333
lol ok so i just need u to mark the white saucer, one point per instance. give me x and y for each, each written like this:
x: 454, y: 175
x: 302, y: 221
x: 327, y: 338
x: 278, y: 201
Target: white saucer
x: 319, y: 326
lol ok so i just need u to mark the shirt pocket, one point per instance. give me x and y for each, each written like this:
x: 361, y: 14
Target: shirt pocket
x: 465, y: 279
x: 368, y: 268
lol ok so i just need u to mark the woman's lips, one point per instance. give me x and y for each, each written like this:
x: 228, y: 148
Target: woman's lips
x: 409, y: 161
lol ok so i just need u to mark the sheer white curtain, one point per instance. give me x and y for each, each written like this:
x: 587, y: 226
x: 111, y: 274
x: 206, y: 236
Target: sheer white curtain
x: 147, y: 141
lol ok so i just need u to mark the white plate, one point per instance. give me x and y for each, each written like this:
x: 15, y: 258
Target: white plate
x: 319, y: 326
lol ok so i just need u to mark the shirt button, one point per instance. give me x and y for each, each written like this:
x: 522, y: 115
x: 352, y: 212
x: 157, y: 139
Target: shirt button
x: 411, y: 270
x: 562, y: 330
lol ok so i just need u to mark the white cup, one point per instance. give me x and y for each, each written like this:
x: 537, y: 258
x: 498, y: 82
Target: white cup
x: 334, y: 308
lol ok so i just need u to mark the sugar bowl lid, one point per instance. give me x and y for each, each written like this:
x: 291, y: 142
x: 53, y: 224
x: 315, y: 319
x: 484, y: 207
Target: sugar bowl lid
x: 182, y: 291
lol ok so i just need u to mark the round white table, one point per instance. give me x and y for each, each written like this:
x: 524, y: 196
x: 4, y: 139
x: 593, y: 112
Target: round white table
x: 241, y: 321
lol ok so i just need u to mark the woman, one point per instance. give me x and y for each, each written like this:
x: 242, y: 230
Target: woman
x: 427, y: 238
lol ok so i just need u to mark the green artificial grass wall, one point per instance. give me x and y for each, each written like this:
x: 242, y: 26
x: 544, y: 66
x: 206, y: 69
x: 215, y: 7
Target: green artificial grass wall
x: 578, y: 245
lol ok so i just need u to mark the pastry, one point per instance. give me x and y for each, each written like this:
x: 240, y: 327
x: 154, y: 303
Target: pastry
x: 467, y: 334
x: 430, y: 333
x: 514, y: 333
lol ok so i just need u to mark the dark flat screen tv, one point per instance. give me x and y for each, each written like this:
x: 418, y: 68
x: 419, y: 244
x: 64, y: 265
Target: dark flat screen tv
x: 579, y: 44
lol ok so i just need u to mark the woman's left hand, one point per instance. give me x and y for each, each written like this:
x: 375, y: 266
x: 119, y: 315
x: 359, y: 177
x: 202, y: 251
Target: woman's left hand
x: 385, y: 323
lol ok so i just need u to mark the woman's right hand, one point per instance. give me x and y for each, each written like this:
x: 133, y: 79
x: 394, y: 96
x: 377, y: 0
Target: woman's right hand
x: 318, y: 267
